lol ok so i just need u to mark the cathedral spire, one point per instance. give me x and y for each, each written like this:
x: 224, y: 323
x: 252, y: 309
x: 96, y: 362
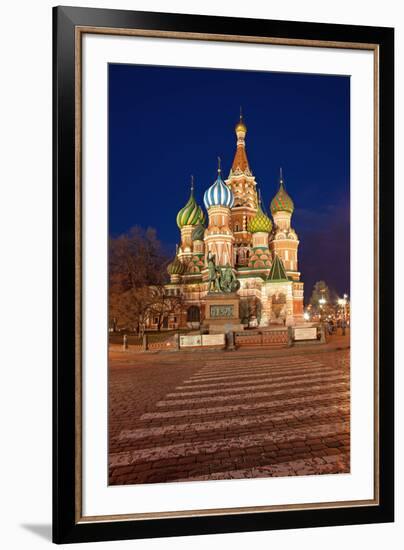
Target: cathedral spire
x: 277, y: 271
x: 240, y: 162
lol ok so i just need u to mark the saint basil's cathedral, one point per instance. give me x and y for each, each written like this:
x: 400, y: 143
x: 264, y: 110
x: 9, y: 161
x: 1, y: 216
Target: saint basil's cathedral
x: 262, y: 252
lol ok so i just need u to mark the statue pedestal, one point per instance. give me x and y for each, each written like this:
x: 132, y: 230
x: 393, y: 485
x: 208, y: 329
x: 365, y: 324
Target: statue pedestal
x: 222, y: 312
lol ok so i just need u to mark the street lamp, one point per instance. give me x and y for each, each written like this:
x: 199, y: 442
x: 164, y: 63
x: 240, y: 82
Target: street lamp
x: 345, y: 306
x: 322, y: 301
x: 342, y: 302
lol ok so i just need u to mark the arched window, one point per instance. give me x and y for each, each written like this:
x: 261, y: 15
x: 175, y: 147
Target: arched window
x: 193, y: 314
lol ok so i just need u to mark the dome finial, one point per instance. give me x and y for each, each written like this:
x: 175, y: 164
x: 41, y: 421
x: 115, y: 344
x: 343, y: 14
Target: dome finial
x: 219, y: 163
x: 280, y: 175
x: 259, y: 197
x: 240, y: 126
x: 192, y: 184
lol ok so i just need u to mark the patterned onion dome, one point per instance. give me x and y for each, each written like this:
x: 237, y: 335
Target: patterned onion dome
x: 176, y: 267
x: 191, y: 214
x: 218, y: 194
x: 281, y: 201
x: 202, y: 217
x: 198, y: 233
x: 260, y: 222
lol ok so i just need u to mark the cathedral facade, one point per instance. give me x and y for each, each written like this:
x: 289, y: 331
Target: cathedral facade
x: 262, y: 252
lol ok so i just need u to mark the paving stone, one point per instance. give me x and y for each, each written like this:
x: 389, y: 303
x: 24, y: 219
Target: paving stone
x: 219, y: 416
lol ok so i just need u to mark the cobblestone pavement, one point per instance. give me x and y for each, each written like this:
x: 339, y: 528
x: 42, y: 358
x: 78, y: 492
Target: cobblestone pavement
x: 223, y: 415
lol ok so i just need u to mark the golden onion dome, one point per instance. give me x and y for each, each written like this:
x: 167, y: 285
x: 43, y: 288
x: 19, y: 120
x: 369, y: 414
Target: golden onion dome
x: 240, y: 126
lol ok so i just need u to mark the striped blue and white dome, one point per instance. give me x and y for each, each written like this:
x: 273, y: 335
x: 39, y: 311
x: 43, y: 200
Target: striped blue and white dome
x: 218, y: 194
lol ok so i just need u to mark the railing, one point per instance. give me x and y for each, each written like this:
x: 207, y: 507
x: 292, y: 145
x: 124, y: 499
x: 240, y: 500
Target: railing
x: 147, y: 343
x: 278, y: 338
x: 272, y: 338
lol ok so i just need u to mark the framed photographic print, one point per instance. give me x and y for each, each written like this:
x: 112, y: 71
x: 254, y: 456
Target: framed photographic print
x: 223, y: 274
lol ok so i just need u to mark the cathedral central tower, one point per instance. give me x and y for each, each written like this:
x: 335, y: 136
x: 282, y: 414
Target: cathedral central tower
x: 243, y: 185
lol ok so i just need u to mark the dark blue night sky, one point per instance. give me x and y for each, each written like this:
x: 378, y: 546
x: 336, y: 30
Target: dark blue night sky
x: 167, y: 123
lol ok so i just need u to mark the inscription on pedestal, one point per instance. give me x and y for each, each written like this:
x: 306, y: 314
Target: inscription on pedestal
x: 305, y: 333
x: 221, y: 311
x: 190, y: 341
x: 213, y: 340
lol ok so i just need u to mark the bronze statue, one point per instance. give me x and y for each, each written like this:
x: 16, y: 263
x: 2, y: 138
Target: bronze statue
x: 214, y: 274
x: 229, y: 281
x: 220, y: 280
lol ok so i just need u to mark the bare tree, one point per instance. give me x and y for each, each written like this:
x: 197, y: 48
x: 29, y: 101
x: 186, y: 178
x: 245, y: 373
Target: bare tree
x: 164, y: 304
x: 136, y: 264
x: 136, y: 259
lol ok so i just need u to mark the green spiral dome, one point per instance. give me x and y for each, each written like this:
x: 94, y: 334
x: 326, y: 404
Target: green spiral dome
x: 198, y: 233
x: 281, y: 201
x: 260, y: 222
x: 176, y: 267
x: 191, y: 214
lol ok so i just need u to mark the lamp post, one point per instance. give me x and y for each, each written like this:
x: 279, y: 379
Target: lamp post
x: 345, y: 304
x: 342, y: 302
x: 322, y: 301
